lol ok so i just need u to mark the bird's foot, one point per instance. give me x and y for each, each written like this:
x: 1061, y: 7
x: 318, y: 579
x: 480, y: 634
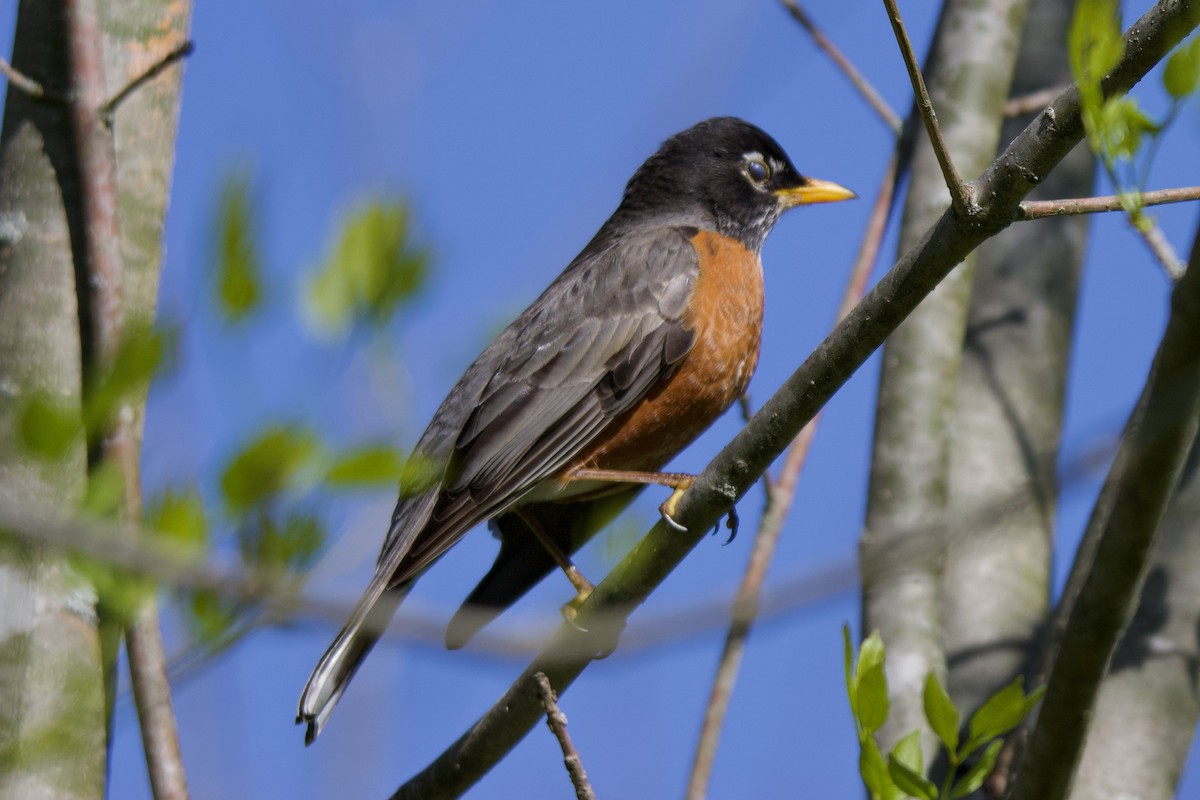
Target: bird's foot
x: 570, y: 611
x: 667, y: 509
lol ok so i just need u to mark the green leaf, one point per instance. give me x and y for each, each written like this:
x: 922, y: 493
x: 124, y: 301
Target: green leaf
x: 872, y: 684
x: 369, y: 273
x: 239, y: 266
x: 979, y: 772
x: 874, y: 772
x: 1094, y: 42
x: 851, y: 684
x: 179, y: 518
x: 48, y: 427
x: 280, y: 547
x: 908, y: 752
x: 1002, y: 712
x: 105, y: 490
x: 942, y: 715
x: 267, y: 466
x: 380, y: 465
x: 909, y: 780
x: 1120, y: 128
x: 211, y: 616
x: 1182, y: 72
x: 142, y: 352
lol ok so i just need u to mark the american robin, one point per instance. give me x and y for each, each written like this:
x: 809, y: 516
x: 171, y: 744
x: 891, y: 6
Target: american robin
x: 646, y: 338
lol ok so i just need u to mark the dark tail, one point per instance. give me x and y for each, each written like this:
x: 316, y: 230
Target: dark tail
x: 335, y: 669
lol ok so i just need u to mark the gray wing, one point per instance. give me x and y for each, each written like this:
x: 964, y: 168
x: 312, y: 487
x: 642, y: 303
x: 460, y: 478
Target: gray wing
x: 606, y: 331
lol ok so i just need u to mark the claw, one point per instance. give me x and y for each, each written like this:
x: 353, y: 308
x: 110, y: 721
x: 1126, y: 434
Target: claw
x: 667, y: 509
x: 732, y: 523
x: 570, y: 611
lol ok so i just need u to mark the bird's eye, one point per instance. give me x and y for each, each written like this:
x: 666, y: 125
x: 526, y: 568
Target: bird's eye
x: 758, y: 170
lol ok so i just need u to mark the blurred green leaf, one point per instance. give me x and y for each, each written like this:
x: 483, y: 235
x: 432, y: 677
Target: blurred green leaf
x: 267, y: 466
x: 239, y: 266
x: 380, y: 465
x: 1120, y: 128
x: 851, y: 689
x: 908, y: 752
x: 286, y: 546
x: 143, y: 350
x: 48, y: 427
x: 211, y: 616
x: 105, y: 490
x: 905, y: 768
x: 941, y: 714
x: 874, y: 771
x: 1094, y: 42
x: 1002, y: 712
x: 979, y: 771
x: 872, y: 684
x: 179, y: 518
x: 1182, y: 72
x: 371, y: 270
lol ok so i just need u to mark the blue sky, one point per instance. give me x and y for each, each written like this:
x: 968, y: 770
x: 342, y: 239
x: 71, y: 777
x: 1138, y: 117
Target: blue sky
x: 511, y: 129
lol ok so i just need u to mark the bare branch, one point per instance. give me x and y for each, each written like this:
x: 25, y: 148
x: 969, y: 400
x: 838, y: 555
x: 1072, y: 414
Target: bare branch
x: 556, y: 720
x: 1118, y: 543
x: 98, y: 171
x: 22, y: 82
x: 1033, y: 102
x: 109, y: 107
x: 1159, y: 245
x: 779, y: 501
x: 960, y: 193
x: 864, y: 87
x: 1040, y: 209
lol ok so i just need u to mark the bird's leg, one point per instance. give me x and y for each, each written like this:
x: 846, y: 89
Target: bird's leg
x: 679, y: 481
x: 583, y: 587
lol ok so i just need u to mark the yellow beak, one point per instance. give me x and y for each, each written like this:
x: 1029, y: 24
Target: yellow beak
x: 813, y: 190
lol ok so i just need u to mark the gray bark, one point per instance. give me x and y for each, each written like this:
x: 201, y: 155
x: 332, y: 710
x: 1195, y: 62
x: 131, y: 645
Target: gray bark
x: 969, y: 73
x: 1008, y: 412
x: 52, y: 725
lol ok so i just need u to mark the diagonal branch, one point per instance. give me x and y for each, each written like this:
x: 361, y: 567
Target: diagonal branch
x: 737, y: 467
x: 869, y: 93
x: 177, y: 53
x: 1121, y: 537
x: 960, y: 193
x: 556, y: 720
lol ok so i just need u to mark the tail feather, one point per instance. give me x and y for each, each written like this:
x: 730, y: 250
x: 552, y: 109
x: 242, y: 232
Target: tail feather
x: 335, y: 669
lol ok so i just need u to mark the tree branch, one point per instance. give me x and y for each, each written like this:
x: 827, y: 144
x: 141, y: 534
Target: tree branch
x: 556, y: 720
x: 1121, y: 533
x: 98, y: 171
x: 1032, y: 154
x: 869, y: 93
x: 960, y: 197
x: 1040, y: 209
x: 23, y: 83
x: 177, y: 53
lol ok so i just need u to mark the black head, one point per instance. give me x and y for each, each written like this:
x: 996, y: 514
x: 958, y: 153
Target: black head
x: 724, y: 174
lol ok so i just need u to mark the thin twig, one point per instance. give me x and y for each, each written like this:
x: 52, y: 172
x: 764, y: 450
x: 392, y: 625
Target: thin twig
x: 779, y: 502
x: 860, y: 82
x: 98, y: 171
x: 1032, y: 102
x: 960, y: 193
x: 22, y: 82
x: 109, y: 107
x: 556, y: 720
x: 1039, y: 209
x: 1160, y: 246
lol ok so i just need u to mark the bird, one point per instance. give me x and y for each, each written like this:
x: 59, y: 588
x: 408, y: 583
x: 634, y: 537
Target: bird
x: 640, y: 344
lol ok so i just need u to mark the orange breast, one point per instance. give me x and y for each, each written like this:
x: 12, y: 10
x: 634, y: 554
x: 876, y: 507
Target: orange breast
x: 725, y: 312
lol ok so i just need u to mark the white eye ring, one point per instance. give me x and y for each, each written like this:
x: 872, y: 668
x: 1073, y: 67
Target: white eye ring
x: 758, y: 170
